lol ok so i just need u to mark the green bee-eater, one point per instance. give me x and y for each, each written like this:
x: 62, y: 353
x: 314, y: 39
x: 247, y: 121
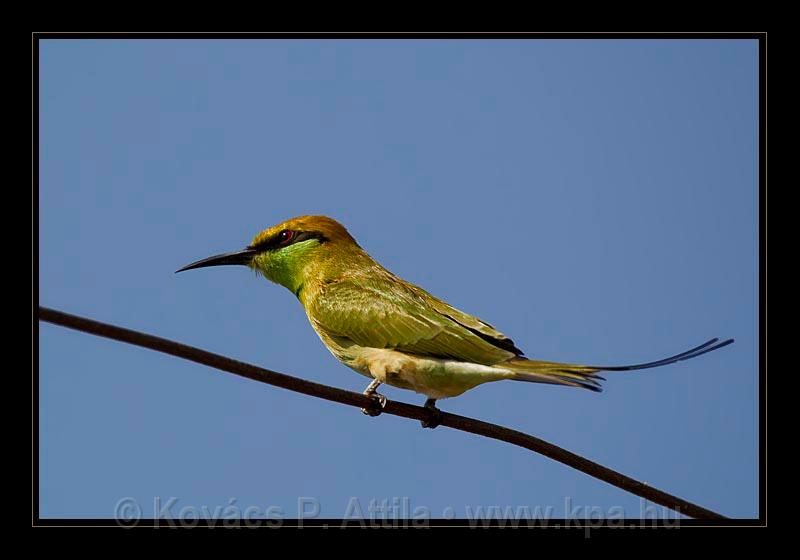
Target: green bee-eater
x: 391, y: 330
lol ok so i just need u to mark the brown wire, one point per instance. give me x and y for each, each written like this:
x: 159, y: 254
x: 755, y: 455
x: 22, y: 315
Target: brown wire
x: 396, y: 408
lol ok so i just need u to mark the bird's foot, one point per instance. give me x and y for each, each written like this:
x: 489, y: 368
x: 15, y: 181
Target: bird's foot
x: 378, y: 401
x: 377, y: 405
x: 434, y: 417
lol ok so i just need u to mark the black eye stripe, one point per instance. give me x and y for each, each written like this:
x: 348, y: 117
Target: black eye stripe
x: 281, y: 239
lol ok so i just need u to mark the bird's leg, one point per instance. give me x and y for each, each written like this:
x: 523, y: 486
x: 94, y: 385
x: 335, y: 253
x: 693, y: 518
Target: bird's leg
x: 378, y: 400
x: 435, y: 416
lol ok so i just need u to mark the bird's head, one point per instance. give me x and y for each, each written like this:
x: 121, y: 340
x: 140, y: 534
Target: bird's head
x: 289, y: 252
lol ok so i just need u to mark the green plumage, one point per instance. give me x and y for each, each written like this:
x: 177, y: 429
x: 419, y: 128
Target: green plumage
x: 390, y: 330
x: 382, y: 311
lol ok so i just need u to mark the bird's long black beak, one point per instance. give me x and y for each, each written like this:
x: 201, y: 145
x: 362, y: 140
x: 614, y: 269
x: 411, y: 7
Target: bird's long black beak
x: 238, y: 257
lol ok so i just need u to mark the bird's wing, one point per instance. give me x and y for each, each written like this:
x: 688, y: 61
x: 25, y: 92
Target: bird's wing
x: 383, y: 311
x: 480, y: 328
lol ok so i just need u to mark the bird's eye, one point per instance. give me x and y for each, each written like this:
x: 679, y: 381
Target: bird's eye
x: 285, y: 236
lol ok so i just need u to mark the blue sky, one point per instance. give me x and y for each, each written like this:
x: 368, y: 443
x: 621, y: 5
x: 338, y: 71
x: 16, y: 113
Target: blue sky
x: 597, y: 201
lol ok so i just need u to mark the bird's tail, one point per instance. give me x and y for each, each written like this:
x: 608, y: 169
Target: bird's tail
x: 574, y: 375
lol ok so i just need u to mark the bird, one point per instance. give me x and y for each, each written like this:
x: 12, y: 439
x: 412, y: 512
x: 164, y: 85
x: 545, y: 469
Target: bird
x: 392, y: 331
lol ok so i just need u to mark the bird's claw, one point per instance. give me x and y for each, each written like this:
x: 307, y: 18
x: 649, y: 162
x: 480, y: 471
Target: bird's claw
x: 376, y: 407
x: 434, y: 418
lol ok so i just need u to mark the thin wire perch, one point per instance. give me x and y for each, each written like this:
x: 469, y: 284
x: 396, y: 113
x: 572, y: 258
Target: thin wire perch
x: 395, y: 408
